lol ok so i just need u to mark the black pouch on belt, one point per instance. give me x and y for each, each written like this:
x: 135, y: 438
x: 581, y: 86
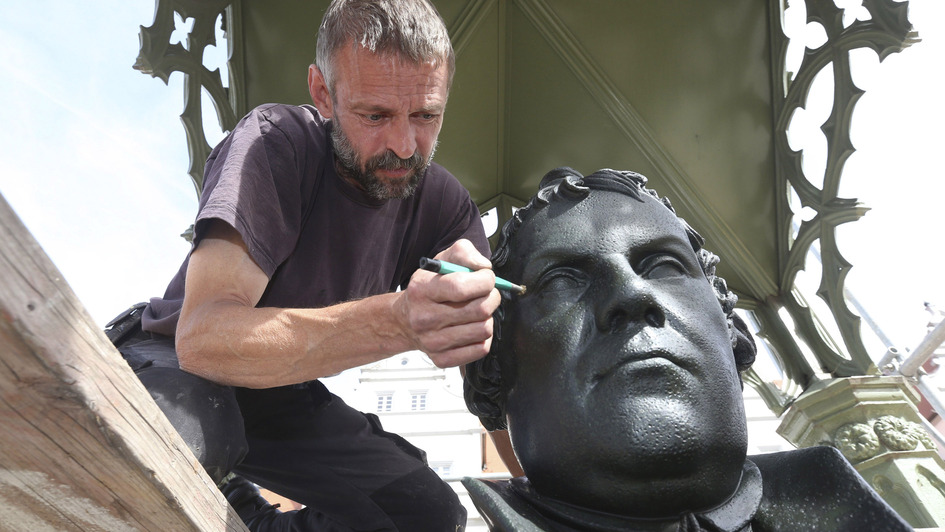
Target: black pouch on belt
x: 126, y: 327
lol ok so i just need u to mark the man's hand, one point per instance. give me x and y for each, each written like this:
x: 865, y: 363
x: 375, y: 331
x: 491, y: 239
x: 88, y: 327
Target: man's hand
x: 449, y: 317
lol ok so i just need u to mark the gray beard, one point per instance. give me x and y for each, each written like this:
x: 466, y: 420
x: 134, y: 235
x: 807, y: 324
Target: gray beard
x: 349, y: 165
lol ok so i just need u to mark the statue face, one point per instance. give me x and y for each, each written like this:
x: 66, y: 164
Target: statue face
x: 622, y: 390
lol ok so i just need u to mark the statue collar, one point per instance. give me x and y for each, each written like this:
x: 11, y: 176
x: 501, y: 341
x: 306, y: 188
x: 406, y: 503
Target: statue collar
x: 734, y: 515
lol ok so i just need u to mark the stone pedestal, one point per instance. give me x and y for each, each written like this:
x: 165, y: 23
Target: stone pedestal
x: 874, y: 422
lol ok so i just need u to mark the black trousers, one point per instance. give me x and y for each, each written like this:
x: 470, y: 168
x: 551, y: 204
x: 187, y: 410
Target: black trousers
x: 304, y: 443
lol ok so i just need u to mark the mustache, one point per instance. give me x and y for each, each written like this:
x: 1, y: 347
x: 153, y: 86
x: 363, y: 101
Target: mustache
x: 390, y: 161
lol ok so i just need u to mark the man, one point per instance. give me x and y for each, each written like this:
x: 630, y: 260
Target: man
x: 309, y: 221
x: 617, y: 375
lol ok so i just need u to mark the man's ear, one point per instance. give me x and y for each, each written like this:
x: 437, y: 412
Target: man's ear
x: 318, y: 90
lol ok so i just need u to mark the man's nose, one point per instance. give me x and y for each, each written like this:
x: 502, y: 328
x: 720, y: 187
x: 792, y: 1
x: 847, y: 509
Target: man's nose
x: 629, y: 300
x: 401, y: 138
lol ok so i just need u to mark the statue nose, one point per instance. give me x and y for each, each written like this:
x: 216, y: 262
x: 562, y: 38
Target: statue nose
x: 630, y: 301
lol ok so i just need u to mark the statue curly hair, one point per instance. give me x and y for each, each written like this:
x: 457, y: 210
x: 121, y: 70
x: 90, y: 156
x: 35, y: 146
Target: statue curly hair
x: 483, y: 387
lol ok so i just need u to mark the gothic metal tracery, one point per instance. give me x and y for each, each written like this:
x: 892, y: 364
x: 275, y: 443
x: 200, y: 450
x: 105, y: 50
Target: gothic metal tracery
x: 160, y: 58
x: 885, y: 31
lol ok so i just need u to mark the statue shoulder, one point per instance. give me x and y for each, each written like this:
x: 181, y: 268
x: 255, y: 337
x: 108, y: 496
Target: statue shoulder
x: 819, y: 487
x: 502, y: 509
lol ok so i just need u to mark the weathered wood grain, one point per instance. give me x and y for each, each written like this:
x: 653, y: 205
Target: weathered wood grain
x: 82, y: 445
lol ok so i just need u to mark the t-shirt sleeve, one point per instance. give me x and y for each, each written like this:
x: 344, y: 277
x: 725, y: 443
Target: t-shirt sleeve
x: 253, y: 182
x: 460, y: 219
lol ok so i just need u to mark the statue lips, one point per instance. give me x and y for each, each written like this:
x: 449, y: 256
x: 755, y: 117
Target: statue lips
x: 649, y: 364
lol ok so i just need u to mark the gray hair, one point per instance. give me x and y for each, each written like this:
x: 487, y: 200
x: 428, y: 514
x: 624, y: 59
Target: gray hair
x: 409, y: 29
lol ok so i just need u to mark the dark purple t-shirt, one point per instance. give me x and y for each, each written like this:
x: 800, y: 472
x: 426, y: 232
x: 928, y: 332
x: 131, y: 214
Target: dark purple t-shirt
x: 318, y: 238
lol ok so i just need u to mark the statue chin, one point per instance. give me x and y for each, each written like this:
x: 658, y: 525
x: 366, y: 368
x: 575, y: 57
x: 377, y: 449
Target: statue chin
x: 651, y: 472
x: 610, y: 490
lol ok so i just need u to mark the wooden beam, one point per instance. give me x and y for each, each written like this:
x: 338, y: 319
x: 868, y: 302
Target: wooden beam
x: 82, y: 445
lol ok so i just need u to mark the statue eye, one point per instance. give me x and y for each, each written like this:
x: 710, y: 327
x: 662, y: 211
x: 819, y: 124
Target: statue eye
x: 662, y: 266
x: 558, y: 279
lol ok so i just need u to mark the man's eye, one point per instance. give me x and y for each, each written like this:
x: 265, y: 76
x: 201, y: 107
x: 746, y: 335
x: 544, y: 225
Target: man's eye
x: 662, y: 266
x: 373, y: 118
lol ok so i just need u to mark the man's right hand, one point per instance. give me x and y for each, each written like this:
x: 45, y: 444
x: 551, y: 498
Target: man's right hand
x: 449, y: 317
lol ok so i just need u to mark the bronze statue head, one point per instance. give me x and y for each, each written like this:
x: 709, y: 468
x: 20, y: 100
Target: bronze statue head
x: 617, y: 373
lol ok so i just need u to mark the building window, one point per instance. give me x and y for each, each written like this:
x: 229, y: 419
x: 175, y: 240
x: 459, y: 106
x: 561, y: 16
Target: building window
x: 385, y: 401
x: 418, y: 400
x: 443, y: 469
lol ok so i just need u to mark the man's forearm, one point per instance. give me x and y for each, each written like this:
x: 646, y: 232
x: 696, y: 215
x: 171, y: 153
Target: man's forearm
x: 224, y: 337
x: 236, y: 345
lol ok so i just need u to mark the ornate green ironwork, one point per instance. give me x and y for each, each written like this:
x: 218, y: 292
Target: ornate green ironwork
x: 886, y: 32
x: 159, y: 58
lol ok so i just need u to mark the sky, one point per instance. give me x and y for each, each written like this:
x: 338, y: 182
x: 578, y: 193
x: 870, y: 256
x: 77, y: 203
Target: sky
x: 94, y: 160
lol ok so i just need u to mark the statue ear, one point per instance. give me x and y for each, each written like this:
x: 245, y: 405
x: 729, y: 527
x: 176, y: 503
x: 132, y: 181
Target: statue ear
x: 743, y: 345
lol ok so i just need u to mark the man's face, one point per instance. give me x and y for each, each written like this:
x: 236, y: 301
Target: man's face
x: 364, y: 173
x: 621, y: 379
x: 386, y: 116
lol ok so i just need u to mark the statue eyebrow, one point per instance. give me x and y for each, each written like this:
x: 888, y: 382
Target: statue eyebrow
x: 679, y: 246
x: 549, y: 258
x: 667, y: 240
